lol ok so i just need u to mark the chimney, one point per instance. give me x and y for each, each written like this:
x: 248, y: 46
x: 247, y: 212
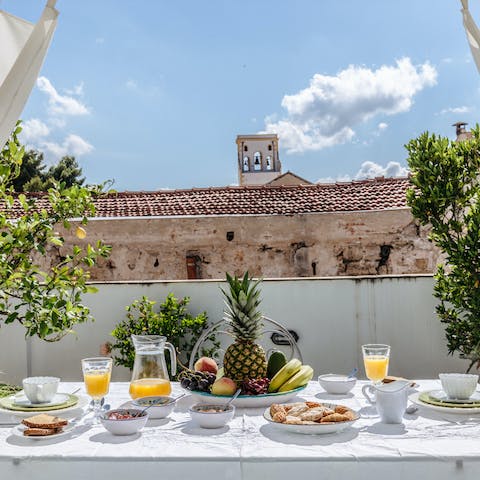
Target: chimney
x: 461, y: 132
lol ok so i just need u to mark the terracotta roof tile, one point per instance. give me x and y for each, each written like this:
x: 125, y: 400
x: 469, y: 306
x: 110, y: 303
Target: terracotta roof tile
x: 376, y: 194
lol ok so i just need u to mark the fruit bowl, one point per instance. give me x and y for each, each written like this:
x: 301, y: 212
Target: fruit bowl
x: 246, y: 401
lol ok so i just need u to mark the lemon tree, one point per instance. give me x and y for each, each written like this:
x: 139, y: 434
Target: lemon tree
x: 47, y: 301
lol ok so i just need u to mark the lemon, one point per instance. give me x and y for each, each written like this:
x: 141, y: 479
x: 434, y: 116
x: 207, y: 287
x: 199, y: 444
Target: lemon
x: 80, y: 232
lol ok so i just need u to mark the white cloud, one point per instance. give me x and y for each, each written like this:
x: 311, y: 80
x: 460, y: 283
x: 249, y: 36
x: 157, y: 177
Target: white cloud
x: 325, y: 113
x: 71, y: 145
x: 38, y: 133
x: 382, y: 126
x: 370, y: 170
x: 60, y: 104
x: 77, y: 90
x: 148, y: 91
x: 57, y: 122
x: 462, y: 109
x: 33, y: 131
x: 131, y: 84
x: 339, y: 178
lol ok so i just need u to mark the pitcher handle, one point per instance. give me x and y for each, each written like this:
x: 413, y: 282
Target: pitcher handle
x: 368, y: 388
x: 173, y: 357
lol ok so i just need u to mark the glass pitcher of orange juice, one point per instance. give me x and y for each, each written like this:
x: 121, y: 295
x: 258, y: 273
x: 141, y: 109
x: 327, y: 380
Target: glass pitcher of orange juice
x: 150, y: 374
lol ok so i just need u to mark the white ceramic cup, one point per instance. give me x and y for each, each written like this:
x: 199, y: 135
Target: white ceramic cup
x: 40, y: 389
x: 460, y: 386
x: 391, y: 405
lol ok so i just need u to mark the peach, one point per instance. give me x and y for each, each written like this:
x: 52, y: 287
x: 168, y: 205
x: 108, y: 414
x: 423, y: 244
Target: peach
x: 206, y: 364
x: 224, y: 386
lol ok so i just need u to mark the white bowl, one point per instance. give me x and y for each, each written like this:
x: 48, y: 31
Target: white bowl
x: 209, y: 416
x: 127, y: 426
x: 162, y: 408
x: 459, y: 385
x: 336, y: 384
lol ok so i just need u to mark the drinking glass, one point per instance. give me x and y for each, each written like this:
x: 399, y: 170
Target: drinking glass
x: 96, y: 375
x: 375, y: 359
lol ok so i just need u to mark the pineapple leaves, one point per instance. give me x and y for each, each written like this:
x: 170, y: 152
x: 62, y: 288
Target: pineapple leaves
x: 241, y: 313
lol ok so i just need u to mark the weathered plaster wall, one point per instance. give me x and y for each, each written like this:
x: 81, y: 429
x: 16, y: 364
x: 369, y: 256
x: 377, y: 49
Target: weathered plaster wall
x: 331, y: 244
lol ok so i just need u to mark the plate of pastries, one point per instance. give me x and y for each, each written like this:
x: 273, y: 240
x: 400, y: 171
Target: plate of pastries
x: 311, y: 418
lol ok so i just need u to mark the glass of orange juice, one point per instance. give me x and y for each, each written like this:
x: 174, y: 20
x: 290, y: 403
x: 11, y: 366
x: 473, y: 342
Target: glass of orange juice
x: 96, y: 375
x: 375, y: 359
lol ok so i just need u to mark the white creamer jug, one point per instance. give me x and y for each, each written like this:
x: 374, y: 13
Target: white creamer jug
x: 391, y: 399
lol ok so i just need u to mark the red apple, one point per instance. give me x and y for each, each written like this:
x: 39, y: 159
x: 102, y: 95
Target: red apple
x: 206, y: 364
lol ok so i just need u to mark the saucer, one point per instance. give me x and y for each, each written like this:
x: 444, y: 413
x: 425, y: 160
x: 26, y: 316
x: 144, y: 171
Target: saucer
x: 441, y: 396
x: 58, y: 399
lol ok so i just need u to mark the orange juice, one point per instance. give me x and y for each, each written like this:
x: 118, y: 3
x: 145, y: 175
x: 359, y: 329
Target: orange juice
x: 147, y: 387
x: 97, y: 383
x: 376, y: 367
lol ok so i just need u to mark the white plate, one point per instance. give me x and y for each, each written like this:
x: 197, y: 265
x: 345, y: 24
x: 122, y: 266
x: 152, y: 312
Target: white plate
x: 318, y: 429
x: 82, y: 402
x: 17, y: 431
x: 58, y: 399
x: 468, y: 410
x: 441, y: 396
x: 246, y: 401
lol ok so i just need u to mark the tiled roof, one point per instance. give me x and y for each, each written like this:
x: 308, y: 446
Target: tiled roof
x: 378, y: 194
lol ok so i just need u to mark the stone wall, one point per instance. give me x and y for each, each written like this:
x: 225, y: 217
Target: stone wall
x: 328, y: 244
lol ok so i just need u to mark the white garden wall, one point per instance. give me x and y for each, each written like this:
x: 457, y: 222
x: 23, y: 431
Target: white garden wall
x: 333, y: 316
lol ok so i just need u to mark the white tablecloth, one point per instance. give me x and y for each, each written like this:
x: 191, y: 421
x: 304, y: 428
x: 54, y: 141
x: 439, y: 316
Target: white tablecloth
x: 429, y: 445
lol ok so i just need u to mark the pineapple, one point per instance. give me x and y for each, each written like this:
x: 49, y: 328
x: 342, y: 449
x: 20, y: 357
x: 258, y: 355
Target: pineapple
x: 244, y: 359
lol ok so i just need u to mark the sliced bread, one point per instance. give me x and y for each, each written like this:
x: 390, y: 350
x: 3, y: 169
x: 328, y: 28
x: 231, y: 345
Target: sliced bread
x: 41, y: 432
x: 44, y: 420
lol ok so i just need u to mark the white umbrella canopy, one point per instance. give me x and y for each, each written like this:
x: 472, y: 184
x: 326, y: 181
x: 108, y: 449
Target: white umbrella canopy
x: 473, y: 33
x: 23, y: 49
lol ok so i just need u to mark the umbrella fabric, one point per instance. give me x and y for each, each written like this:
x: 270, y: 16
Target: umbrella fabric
x: 23, y: 51
x: 473, y: 33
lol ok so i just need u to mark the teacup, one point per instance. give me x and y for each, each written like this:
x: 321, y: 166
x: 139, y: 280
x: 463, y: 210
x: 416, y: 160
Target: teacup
x: 40, y: 389
x: 460, y: 386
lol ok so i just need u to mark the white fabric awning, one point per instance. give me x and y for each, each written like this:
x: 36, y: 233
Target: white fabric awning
x: 23, y: 49
x: 473, y: 33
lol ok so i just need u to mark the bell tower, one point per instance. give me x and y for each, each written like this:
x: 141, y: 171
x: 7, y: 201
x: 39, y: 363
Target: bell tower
x: 258, y: 161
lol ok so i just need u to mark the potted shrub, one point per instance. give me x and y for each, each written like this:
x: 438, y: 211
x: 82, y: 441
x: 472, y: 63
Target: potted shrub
x: 171, y: 319
x: 445, y: 176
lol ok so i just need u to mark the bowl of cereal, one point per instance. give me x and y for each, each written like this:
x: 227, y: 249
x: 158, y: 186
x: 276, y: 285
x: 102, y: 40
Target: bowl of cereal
x: 210, y: 415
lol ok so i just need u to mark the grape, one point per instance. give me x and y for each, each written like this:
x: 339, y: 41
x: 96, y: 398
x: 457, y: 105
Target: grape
x: 201, y: 381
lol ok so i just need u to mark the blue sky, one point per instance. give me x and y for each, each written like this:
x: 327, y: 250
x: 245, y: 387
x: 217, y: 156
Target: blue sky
x: 153, y: 93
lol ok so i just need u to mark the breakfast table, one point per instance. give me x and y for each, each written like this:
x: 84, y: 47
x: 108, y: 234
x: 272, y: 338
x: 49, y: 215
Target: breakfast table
x: 428, y: 444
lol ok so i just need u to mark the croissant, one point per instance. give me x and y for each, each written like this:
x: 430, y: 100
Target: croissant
x: 335, y: 417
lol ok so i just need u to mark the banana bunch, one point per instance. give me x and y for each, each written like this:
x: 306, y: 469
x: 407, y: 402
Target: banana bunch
x: 291, y: 376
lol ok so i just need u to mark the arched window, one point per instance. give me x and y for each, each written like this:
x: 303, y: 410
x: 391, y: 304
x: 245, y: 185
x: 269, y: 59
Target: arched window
x: 268, y: 162
x: 257, y: 161
x: 246, y: 164
x: 270, y: 148
x: 245, y: 148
